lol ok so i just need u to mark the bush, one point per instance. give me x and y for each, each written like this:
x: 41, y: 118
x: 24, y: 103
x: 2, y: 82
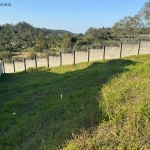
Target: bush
x: 32, y: 55
x: 5, y: 55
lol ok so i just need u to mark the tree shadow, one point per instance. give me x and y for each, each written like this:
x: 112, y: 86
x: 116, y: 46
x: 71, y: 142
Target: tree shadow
x: 52, y: 106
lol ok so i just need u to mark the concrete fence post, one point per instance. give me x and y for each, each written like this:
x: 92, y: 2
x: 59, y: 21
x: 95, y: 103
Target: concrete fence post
x: 88, y: 50
x: 1, y: 71
x: 48, y: 61
x: 35, y: 61
x: 104, y: 52
x: 3, y: 67
x: 139, y: 47
x: 74, y: 57
x: 60, y: 59
x: 120, y: 50
x: 24, y: 60
x: 14, y: 66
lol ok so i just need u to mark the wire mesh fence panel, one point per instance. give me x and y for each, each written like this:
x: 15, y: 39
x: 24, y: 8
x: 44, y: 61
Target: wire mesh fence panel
x: 129, y: 40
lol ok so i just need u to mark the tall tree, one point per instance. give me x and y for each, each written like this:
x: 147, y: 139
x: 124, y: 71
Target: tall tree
x: 128, y: 27
x: 145, y: 13
x: 67, y: 42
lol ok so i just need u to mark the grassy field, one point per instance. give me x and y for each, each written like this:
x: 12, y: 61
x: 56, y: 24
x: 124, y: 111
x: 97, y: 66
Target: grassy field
x: 88, y: 106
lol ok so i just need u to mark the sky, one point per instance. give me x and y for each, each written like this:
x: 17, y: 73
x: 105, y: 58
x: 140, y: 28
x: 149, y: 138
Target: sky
x: 72, y: 15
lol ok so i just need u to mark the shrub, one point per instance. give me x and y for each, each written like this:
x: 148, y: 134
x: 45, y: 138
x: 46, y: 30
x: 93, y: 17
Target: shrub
x: 5, y: 55
x: 32, y: 55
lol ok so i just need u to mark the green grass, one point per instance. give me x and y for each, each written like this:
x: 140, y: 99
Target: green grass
x: 95, y: 105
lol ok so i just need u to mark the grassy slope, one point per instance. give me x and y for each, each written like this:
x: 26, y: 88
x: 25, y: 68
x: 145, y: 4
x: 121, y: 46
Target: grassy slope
x: 54, y: 105
x: 125, y: 104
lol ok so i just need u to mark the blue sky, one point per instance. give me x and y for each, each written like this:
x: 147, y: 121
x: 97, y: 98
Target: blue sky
x: 72, y: 15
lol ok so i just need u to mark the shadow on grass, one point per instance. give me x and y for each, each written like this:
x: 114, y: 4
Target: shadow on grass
x: 50, y: 107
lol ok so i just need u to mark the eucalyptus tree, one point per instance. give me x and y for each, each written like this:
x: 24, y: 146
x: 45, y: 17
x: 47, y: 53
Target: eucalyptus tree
x: 127, y: 28
x: 144, y: 13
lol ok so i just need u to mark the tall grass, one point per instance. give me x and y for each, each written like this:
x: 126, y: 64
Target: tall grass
x: 125, y: 104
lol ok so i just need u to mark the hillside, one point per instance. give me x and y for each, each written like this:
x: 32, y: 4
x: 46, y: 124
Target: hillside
x: 17, y: 37
x: 95, y: 105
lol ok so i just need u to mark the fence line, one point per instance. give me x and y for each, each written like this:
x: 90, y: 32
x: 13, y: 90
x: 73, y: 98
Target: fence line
x: 107, y: 52
x: 1, y: 71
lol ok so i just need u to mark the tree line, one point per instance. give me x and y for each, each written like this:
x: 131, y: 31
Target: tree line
x: 24, y: 37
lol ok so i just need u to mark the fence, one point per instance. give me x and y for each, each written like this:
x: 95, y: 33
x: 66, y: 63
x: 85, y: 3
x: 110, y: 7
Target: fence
x: 107, y: 52
x: 1, y: 71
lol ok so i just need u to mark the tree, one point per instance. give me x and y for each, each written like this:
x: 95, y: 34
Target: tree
x: 91, y: 32
x: 41, y: 43
x: 67, y: 42
x: 5, y: 55
x: 128, y: 27
x: 21, y: 36
x: 145, y: 12
x: 96, y: 36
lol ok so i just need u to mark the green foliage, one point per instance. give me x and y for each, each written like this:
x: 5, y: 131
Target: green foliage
x: 33, y: 69
x: 32, y: 55
x: 67, y: 42
x: 23, y: 35
x: 128, y: 27
x: 124, y: 102
x: 96, y: 36
x: 145, y: 12
x: 5, y: 55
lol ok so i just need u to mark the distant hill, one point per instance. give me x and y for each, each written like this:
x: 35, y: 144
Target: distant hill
x: 23, y: 26
x: 21, y: 35
x: 54, y: 32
